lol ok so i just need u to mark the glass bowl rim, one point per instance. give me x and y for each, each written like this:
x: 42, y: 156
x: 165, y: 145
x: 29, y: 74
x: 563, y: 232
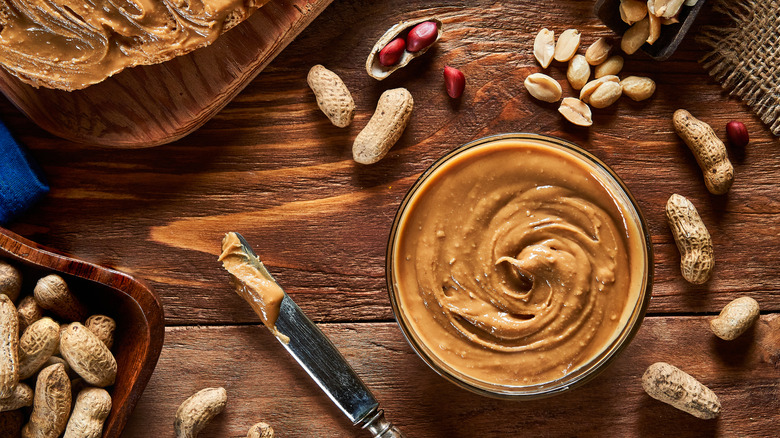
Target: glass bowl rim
x: 589, y: 370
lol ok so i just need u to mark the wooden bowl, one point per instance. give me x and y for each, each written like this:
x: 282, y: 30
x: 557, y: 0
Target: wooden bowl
x: 136, y: 309
x: 671, y: 35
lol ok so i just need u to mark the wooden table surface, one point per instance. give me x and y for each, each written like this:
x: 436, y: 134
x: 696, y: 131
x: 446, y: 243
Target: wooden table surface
x: 272, y: 167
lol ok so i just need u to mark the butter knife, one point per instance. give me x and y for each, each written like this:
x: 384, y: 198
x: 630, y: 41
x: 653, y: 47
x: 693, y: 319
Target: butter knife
x: 314, y: 352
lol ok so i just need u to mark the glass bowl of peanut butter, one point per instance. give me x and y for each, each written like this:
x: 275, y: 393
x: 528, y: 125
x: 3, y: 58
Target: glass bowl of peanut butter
x: 519, y: 266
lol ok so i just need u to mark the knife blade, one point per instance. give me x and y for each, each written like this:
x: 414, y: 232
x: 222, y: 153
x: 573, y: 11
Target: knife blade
x: 321, y: 360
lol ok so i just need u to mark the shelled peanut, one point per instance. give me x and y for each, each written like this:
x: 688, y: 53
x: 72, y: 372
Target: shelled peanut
x: 46, y: 324
x: 646, y: 20
x: 604, y: 90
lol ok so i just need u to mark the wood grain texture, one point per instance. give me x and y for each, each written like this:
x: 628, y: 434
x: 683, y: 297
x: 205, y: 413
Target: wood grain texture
x: 265, y: 384
x: 271, y: 166
x: 135, y: 308
x: 157, y: 104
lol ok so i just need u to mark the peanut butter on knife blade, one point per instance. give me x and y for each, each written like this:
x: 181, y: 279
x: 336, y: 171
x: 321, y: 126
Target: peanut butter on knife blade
x: 253, y: 282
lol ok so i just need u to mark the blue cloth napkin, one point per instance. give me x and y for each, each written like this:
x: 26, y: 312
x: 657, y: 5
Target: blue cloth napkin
x: 21, y: 181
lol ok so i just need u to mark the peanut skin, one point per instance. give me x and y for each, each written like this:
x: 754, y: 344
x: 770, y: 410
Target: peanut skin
x: 51, y: 405
x: 709, y: 150
x: 673, y: 386
x: 692, y: 239
x: 392, y: 114
x: 36, y: 346
x: 738, y: 316
x: 9, y: 348
x: 53, y: 294
x: 195, y: 412
x: 87, y: 355
x: 89, y: 412
x: 333, y: 96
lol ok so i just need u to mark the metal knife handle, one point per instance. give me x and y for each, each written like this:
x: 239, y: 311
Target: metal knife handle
x: 381, y: 428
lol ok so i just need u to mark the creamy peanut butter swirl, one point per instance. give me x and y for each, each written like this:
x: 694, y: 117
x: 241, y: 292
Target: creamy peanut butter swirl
x: 514, y: 265
x: 71, y: 44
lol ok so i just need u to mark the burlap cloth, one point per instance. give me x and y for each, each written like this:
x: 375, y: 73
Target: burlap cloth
x: 745, y: 58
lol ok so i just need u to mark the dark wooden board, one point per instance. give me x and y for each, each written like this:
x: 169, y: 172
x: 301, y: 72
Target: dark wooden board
x: 157, y: 104
x: 265, y: 384
x: 271, y: 166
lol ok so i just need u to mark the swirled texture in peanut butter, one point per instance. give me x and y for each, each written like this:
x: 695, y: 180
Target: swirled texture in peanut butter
x: 71, y: 44
x: 514, y: 265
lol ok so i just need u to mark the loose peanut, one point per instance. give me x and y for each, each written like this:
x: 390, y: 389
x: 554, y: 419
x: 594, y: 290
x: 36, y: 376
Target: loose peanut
x: 11, y: 423
x: 674, y: 386
x: 709, y: 151
x: 638, y: 88
x: 544, y: 47
x: 591, y: 87
x: 610, y: 67
x: 605, y: 95
x: 422, y: 36
x: 655, y: 29
x: 10, y: 280
x: 737, y: 134
x: 103, y: 327
x: 9, y: 347
x: 28, y: 311
x: 567, y: 45
x: 576, y: 111
x: 392, y: 52
x: 333, y: 97
x: 260, y: 430
x: 635, y: 36
x: 51, y: 405
x: 193, y: 415
x: 36, y: 346
x: 87, y: 355
x: 21, y: 397
x: 632, y: 11
x: 543, y: 87
x: 738, y: 316
x: 578, y: 72
x: 53, y: 294
x: 392, y: 114
x: 692, y: 239
x: 598, y: 51
x: 454, y: 81
x: 89, y: 412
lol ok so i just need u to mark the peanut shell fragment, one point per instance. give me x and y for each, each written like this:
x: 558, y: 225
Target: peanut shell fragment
x: 674, y: 386
x: 543, y: 87
x: 736, y: 318
x: 544, y: 47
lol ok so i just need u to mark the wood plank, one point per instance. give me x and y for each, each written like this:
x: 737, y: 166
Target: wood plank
x: 264, y: 383
x: 271, y: 166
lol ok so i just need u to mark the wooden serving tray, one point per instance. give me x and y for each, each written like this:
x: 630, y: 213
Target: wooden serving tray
x: 157, y: 104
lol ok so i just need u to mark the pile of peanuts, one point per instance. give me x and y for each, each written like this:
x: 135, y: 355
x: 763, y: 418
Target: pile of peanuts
x: 601, y: 92
x: 58, y: 368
